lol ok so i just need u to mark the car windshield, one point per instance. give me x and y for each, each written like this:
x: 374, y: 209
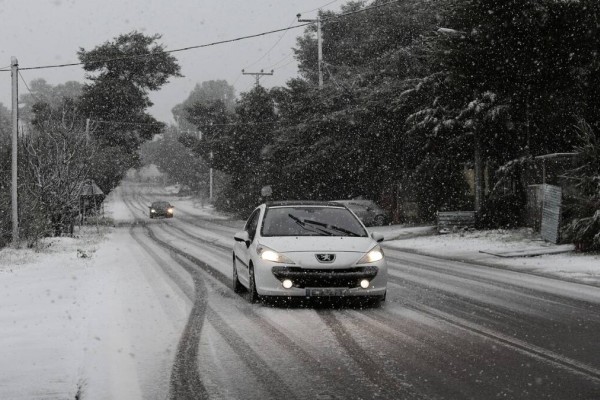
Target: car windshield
x: 311, y: 221
x: 160, y: 204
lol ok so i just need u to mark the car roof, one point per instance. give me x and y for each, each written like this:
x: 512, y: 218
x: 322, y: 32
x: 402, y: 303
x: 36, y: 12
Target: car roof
x: 291, y: 203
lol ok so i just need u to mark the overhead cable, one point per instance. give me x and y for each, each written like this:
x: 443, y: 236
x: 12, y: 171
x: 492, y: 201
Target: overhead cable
x: 331, y: 19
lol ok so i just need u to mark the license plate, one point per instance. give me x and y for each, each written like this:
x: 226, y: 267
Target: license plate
x: 327, y: 292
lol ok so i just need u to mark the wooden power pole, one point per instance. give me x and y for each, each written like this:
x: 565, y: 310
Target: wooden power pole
x: 319, y: 44
x: 14, y: 69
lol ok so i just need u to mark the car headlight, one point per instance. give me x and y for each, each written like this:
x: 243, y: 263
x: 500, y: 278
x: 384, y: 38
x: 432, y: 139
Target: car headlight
x: 152, y: 210
x: 271, y: 255
x: 170, y: 211
x: 375, y: 254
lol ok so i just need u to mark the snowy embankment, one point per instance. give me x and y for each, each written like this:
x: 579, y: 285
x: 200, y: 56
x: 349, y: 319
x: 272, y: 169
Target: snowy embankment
x: 92, y: 315
x: 475, y: 247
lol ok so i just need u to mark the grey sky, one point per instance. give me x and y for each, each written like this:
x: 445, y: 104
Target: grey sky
x: 43, y: 32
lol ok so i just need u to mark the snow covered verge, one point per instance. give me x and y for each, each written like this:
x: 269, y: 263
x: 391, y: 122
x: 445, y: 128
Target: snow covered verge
x: 86, y: 317
x: 475, y: 246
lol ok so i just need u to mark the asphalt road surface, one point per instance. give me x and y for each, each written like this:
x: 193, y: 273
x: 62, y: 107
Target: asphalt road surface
x: 448, y: 330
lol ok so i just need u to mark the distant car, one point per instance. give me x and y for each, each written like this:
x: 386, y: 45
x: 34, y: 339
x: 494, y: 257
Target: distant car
x: 368, y: 211
x: 308, y: 249
x: 161, y: 209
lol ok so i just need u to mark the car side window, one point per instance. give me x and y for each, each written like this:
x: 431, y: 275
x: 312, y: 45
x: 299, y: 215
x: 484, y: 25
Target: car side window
x: 252, y: 224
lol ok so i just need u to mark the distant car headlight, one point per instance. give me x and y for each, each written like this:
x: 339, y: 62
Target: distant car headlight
x: 271, y: 255
x: 152, y: 210
x: 170, y: 211
x: 375, y: 254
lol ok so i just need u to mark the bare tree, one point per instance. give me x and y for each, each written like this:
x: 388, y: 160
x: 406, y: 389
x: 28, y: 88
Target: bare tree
x: 54, y: 167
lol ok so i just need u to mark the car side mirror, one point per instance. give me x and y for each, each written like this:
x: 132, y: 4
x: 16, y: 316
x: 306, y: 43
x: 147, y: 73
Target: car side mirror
x: 242, y: 236
x: 378, y: 237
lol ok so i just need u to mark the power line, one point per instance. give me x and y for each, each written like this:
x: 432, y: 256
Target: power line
x: 272, y: 47
x: 162, y: 123
x: 331, y: 19
x: 284, y: 58
x: 100, y: 121
x: 168, y: 51
x: 318, y: 8
x: 30, y: 91
x: 285, y: 65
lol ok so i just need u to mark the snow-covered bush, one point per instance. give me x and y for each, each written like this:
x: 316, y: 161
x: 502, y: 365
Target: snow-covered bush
x: 583, y: 228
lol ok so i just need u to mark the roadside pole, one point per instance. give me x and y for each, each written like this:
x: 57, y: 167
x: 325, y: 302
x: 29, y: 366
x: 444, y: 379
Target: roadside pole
x: 14, y: 69
x: 319, y: 44
x: 210, y: 178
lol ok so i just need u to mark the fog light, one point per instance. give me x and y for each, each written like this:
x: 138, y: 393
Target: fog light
x: 287, y: 284
x: 364, y: 283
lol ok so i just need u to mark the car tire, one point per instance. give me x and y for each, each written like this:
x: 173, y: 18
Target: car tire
x: 253, y: 296
x: 151, y: 216
x: 379, y: 220
x: 237, y: 285
x: 383, y: 296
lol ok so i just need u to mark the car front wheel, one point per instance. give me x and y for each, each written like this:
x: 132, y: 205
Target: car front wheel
x: 237, y: 285
x: 253, y: 296
x: 379, y: 220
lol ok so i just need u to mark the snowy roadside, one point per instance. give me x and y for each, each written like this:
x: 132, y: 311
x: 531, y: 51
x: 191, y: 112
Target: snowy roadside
x: 475, y: 246
x: 43, y: 318
x: 105, y: 325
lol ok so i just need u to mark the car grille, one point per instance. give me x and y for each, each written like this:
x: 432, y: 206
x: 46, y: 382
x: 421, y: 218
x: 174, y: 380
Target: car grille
x: 315, y: 278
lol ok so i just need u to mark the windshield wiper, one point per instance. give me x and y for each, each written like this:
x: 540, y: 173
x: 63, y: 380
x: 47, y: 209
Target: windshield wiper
x: 331, y: 227
x: 309, y: 228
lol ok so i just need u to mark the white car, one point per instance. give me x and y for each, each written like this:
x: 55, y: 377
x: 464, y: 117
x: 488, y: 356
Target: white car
x: 308, y: 249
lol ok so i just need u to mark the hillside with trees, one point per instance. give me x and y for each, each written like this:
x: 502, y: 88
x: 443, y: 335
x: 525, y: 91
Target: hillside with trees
x: 416, y: 94
x: 59, y: 150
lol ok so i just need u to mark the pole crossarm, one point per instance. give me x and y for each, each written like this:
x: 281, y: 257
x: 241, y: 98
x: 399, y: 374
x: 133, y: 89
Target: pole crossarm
x: 258, y: 75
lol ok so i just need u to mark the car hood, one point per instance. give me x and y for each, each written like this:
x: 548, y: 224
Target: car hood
x: 294, y: 244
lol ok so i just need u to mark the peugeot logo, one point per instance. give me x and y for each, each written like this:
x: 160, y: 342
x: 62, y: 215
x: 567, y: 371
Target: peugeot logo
x: 325, y: 258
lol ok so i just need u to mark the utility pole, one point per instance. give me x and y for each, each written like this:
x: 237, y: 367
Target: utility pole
x: 319, y: 44
x: 258, y: 75
x: 14, y: 70
x: 87, y: 129
x: 478, y: 173
x: 210, y: 178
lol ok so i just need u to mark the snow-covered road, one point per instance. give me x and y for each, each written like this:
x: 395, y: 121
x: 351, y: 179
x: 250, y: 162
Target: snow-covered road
x: 161, y: 320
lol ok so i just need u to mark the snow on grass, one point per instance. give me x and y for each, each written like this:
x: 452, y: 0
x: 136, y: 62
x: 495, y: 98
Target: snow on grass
x: 467, y: 246
x: 43, y: 317
x: 94, y: 315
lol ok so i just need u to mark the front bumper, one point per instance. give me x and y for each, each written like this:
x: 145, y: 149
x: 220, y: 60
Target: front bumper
x: 308, y: 282
x: 321, y: 278
x: 161, y: 214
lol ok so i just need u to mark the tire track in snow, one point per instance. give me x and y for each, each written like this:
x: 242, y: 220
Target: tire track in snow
x: 185, y: 383
x: 185, y: 379
x: 384, y: 385
x: 532, y: 293
x: 547, y: 356
x: 269, y: 329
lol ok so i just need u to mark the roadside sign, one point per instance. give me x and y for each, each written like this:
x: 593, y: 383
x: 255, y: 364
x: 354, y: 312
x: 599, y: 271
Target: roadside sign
x: 551, y: 213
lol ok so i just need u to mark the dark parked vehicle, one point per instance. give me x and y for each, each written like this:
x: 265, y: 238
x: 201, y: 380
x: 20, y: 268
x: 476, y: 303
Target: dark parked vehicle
x: 161, y: 209
x: 367, y: 211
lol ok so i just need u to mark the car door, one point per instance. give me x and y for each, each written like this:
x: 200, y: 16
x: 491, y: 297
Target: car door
x: 242, y: 251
